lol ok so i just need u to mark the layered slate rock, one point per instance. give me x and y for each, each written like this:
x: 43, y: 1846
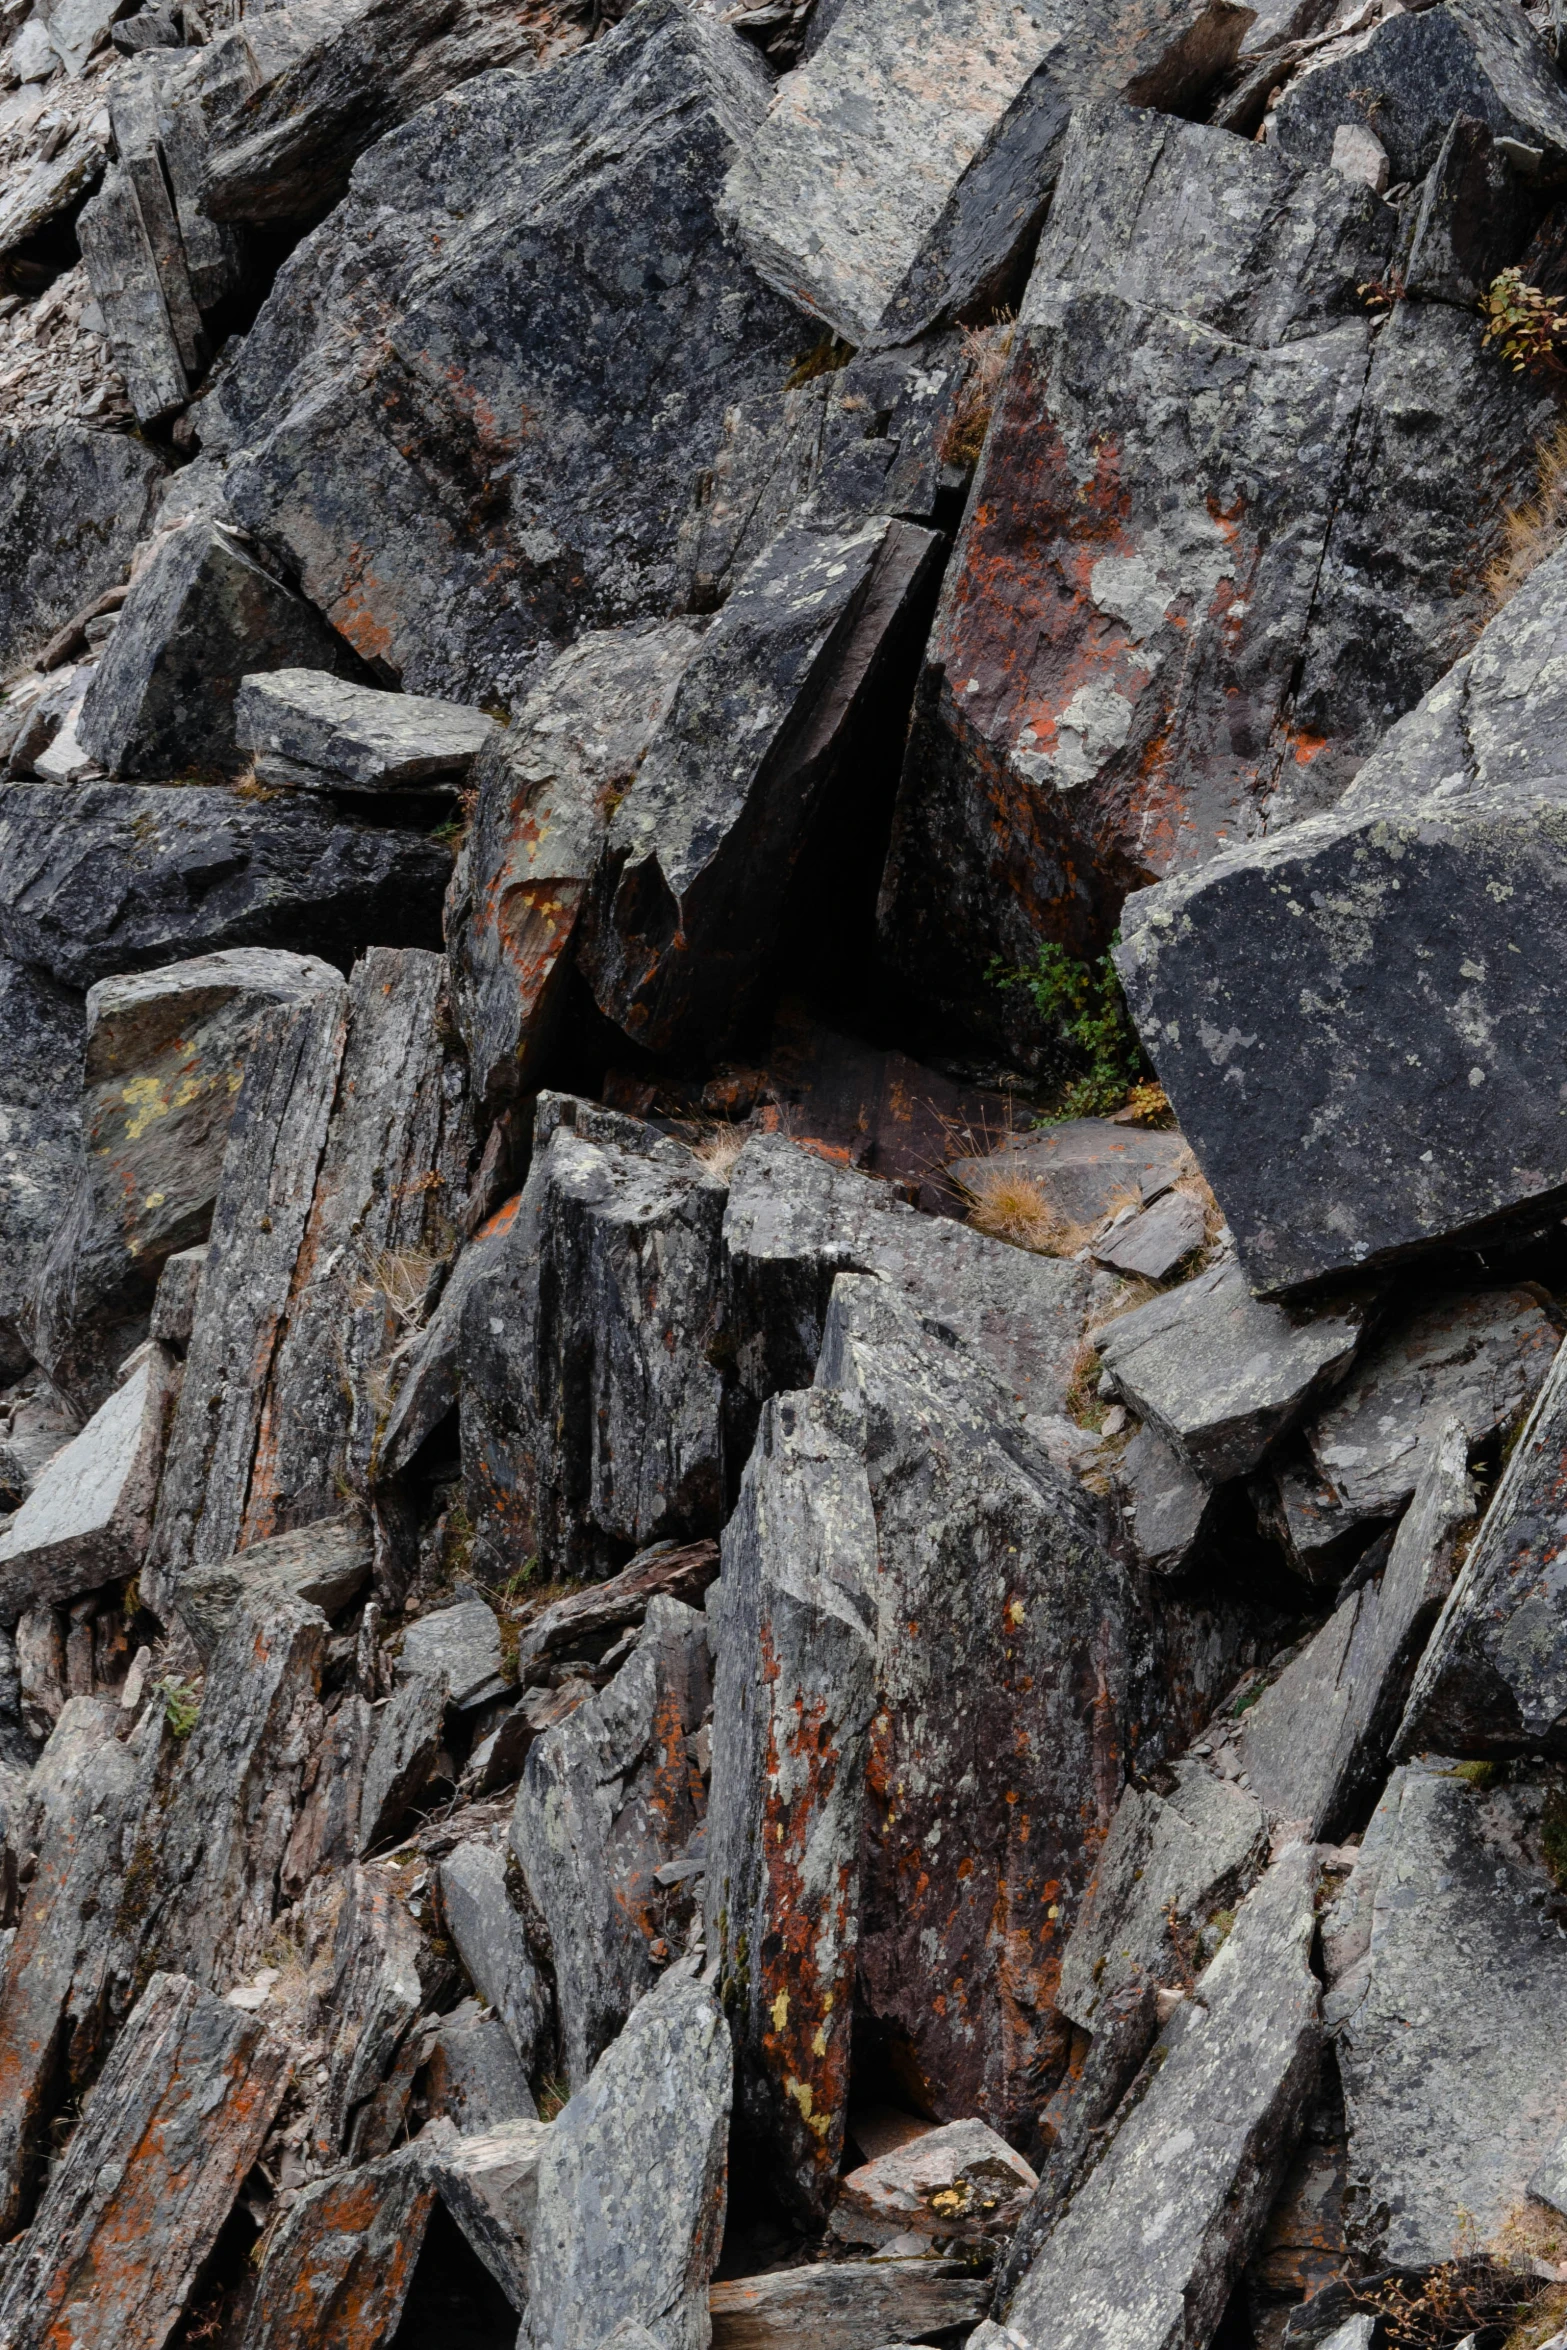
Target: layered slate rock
x: 1119, y: 631
x: 1314, y: 1002
x: 463, y: 1644
x: 1192, y: 2170
x: 164, y: 1057
x: 842, y: 2303
x: 533, y: 489
x: 882, y: 232
x: 97, y: 879
x: 609, y: 1797
x: 130, y: 242
x: 322, y: 1565
x: 544, y: 790
x: 793, y: 1628
x: 154, y: 2167
x: 402, y: 1760
x: 958, y: 2182
x: 202, y: 615
x: 1454, y: 2085
x: 473, y: 2076
x: 42, y: 1026
x: 316, y: 732
x: 489, y: 2182
x: 88, y: 1519
x: 632, y: 2182
x: 73, y: 506
x: 592, y: 1418
x: 492, y: 1942
x: 577, y: 1624
x: 1219, y: 1373
x: 762, y: 739
x: 338, y: 2269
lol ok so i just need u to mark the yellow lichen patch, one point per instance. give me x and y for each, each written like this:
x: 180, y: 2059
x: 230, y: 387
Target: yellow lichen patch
x: 780, y: 2012
x: 143, y: 1097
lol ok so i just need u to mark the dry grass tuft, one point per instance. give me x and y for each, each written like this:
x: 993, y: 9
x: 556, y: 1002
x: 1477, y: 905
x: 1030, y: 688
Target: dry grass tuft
x: 1534, y: 531
x: 400, y: 1279
x: 719, y: 1150
x: 986, y: 350
x: 1008, y: 1203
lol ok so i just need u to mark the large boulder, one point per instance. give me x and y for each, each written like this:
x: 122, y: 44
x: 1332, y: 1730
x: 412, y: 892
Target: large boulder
x: 501, y: 453
x: 1357, y: 1019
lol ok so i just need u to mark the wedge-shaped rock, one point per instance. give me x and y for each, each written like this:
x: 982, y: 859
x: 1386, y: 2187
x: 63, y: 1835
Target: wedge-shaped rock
x: 1167, y: 1866
x: 88, y: 1518
x: 841, y: 2304
x: 377, y: 1993
x: 794, y: 1638
x: 598, y: 1614
x: 608, y: 1797
x: 203, y: 615
x: 49, y: 187
x: 492, y: 1943
x: 1480, y: 1358
x: 592, y: 1406
x: 462, y: 1642
x: 959, y: 2181
x: 40, y: 1127
x: 425, y: 1368
x: 154, y: 2167
x: 1454, y: 2085
x: 884, y: 194
x: 1122, y: 619
x: 1220, y: 1374
x: 1328, y: 1076
x: 632, y: 2181
x: 98, y: 879
x: 795, y: 1221
x: 402, y: 1760
x: 318, y: 732
x: 1151, y: 1242
x: 1406, y: 82
x: 489, y: 2183
x: 480, y: 451
x: 545, y: 789
x: 122, y: 247
x: 1317, y: 1741
x: 473, y: 2076
x: 1494, y: 1678
x: 74, y: 505
x: 764, y: 735
x: 1164, y: 1502
x: 165, y: 1054
x: 338, y: 2269
x: 324, y: 1565
x: 1191, y: 2173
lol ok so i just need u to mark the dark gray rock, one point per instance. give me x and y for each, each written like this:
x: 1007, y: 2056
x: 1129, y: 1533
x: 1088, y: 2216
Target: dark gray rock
x: 474, y: 2076
x: 42, y: 1027
x: 881, y: 232
x: 324, y: 1565
x: 767, y: 722
x: 1220, y: 1374
x: 424, y: 1371
x: 545, y: 788
x: 172, y: 2127
x: 164, y: 1055
x: 338, y: 2268
x: 1191, y: 2172
x: 1164, y: 1502
x: 592, y: 1403
x: 88, y: 1519
x: 402, y: 1760
x: 1151, y: 1242
x: 463, y: 1643
x: 608, y: 1797
x: 843, y: 2303
x: 492, y: 1943
x: 130, y: 241
x: 501, y: 452
x: 99, y: 879
x: 73, y: 506
x: 1454, y: 2088
x: 174, y: 1300
x: 632, y: 2181
x: 1406, y: 80
x: 1332, y: 1080
x: 1475, y: 216
x: 600, y: 1613
x: 376, y: 1991
x: 318, y: 732
x: 793, y: 1629
x: 490, y: 2185
x: 1087, y: 1168
x: 47, y: 187
x: 202, y: 615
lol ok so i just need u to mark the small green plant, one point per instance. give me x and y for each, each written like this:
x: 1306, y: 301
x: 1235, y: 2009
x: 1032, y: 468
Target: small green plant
x: 1475, y: 1774
x: 1528, y: 327
x: 181, y: 1705
x: 828, y: 357
x: 1083, y: 1002
x: 553, y: 2094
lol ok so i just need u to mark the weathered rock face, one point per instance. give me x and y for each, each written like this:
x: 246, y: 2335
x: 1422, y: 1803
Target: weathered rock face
x: 1451, y: 1949
x: 88, y: 1518
x: 882, y: 237
x: 492, y: 1943
x: 504, y: 466
x: 339, y: 2267
x: 759, y: 742
x: 40, y: 1126
x: 322, y: 1565
x: 1331, y: 1080
x: 73, y: 504
x: 317, y: 732
x: 545, y: 789
x: 164, y: 1057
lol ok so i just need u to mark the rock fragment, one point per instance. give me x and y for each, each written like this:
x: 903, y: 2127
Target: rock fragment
x: 402, y: 1760
x: 492, y: 1942
x: 489, y: 2182
x: 844, y: 2303
x: 474, y: 2077
x: 314, y: 731
x: 322, y: 1565
x: 74, y: 503
x: 41, y: 1025
x: 463, y: 1643
x: 338, y: 2269
x: 88, y: 1518
x: 954, y: 2182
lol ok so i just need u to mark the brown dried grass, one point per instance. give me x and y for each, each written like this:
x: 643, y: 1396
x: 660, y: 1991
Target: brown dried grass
x: 1532, y: 532
x: 986, y: 350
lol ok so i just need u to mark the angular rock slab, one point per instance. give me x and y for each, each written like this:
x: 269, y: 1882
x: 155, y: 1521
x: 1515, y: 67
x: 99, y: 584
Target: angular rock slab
x: 793, y: 1629
x: 761, y: 738
x: 632, y: 2184
x: 463, y: 1642
x: 40, y: 1133
x: 545, y: 788
x: 1221, y: 1374
x: 902, y: 170
x: 201, y: 616
x: 592, y: 1410
x: 492, y: 1942
x: 165, y: 1054
x: 338, y: 2269
x: 1190, y: 2175
x: 310, y: 729
x: 489, y: 2182
x: 1120, y: 625
x: 88, y: 1518
x: 74, y: 504
x: 98, y: 879
x: 1359, y: 1057
x: 1454, y: 2085
x: 173, y: 2124
x: 322, y: 1565
x: 608, y: 1797
x: 535, y: 482
x: 402, y: 1760
x: 959, y: 2181
x: 842, y: 2304
x: 473, y: 2076
x: 150, y: 321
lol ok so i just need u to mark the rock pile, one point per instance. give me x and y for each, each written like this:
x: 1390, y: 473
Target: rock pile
x: 783, y: 1145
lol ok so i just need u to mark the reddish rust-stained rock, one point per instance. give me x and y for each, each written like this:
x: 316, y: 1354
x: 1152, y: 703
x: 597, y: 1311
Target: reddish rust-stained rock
x: 171, y: 2128
x: 338, y: 2270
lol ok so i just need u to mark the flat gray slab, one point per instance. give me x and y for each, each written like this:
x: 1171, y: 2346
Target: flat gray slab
x: 1164, y: 1501
x: 322, y: 1565
x: 843, y: 2304
x: 88, y: 1518
x: 1153, y: 1243
x: 308, y: 728
x: 492, y: 1943
x: 1086, y: 1168
x: 464, y: 1643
